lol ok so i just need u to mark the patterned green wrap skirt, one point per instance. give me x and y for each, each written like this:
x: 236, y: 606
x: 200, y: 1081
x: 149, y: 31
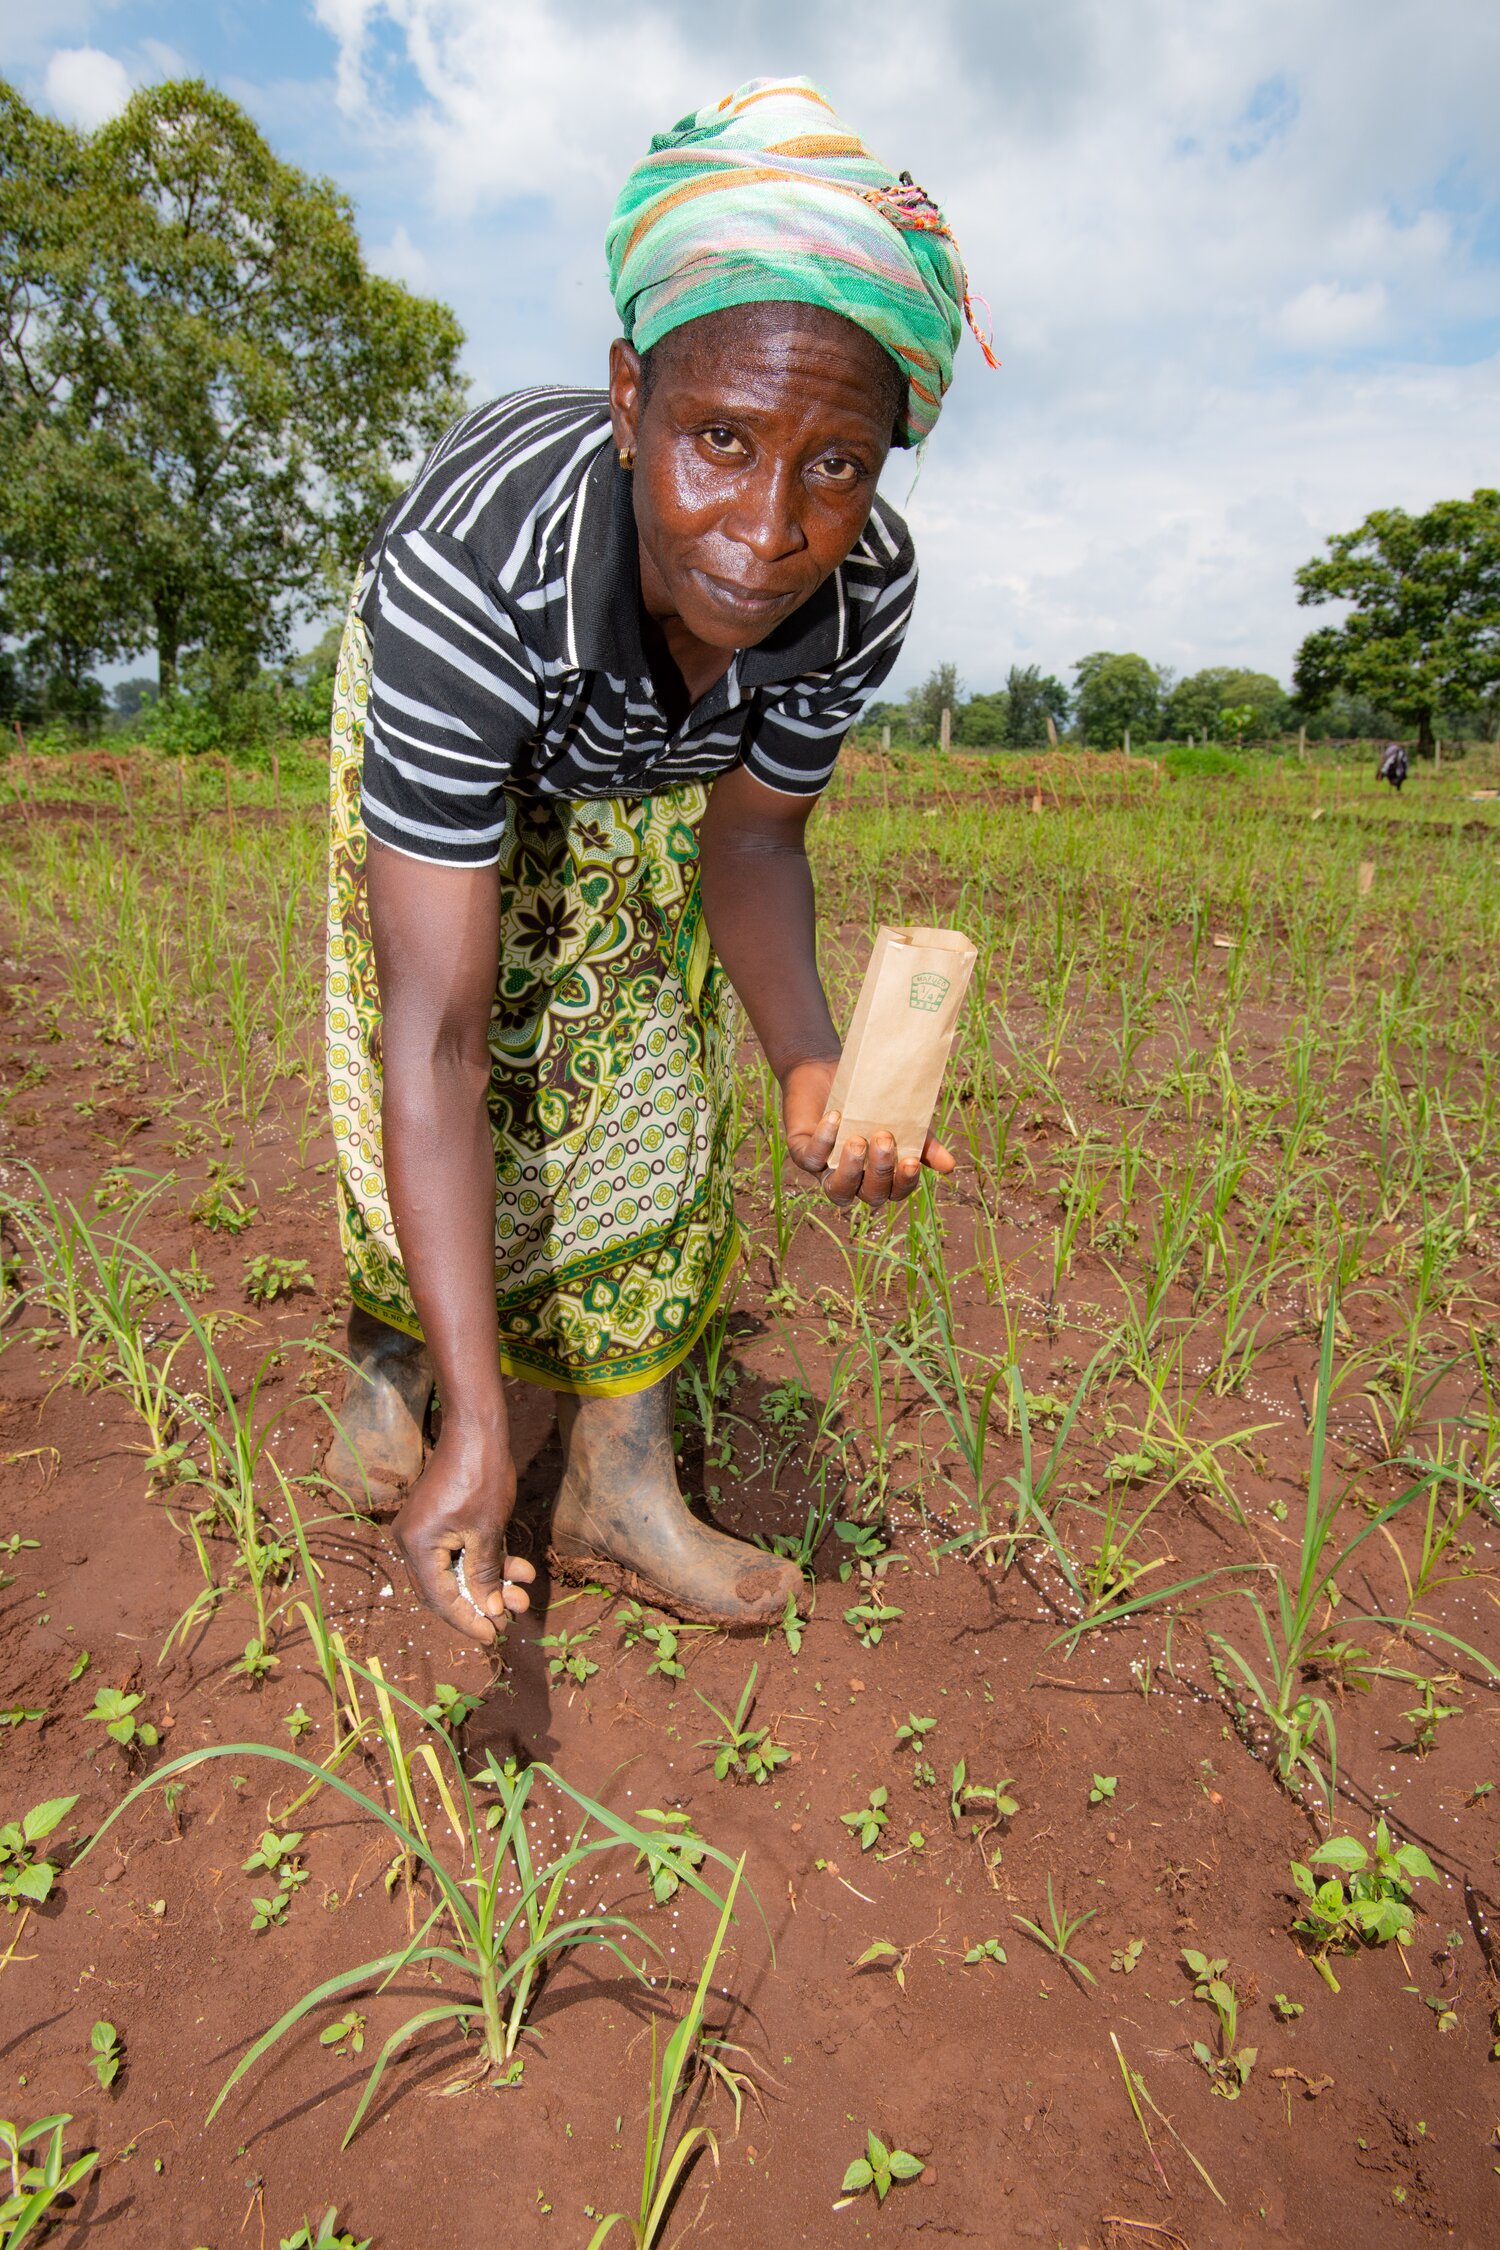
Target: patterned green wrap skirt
x: 612, y: 1046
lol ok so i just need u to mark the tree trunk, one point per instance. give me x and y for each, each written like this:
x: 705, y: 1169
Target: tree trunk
x: 167, y: 642
x: 1426, y: 746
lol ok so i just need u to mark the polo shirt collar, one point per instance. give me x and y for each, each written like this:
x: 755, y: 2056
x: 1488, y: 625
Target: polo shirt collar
x: 603, y: 595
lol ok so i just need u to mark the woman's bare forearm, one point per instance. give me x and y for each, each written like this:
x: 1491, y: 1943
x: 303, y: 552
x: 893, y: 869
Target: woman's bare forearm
x: 436, y: 947
x: 761, y: 910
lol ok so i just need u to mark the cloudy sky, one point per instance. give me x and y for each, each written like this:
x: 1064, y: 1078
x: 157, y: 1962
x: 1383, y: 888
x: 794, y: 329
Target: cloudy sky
x: 1243, y: 256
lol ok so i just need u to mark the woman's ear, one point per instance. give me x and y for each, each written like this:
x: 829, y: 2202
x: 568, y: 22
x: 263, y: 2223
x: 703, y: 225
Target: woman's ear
x: 626, y: 397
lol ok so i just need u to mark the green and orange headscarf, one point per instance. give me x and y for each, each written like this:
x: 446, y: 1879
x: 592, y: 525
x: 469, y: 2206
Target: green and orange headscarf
x: 768, y: 196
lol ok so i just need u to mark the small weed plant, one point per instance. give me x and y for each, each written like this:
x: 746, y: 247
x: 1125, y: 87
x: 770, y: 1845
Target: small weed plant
x: 1366, y: 1900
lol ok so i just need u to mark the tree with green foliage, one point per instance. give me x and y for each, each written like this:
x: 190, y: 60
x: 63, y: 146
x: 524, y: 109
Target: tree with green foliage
x: 983, y: 722
x: 1196, y: 704
x: 1423, y: 631
x: 1033, y: 697
x: 1115, y: 692
x: 206, y: 397
x: 941, y: 691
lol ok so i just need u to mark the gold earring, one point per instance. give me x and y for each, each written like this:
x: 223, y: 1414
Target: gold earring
x: 627, y: 457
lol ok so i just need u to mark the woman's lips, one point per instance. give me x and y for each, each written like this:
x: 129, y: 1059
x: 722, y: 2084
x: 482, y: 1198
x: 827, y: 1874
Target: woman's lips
x: 742, y: 601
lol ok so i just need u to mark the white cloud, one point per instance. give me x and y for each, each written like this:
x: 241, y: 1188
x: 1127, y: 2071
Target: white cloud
x: 1328, y: 315
x: 401, y: 260
x: 1235, y: 254
x: 85, y: 86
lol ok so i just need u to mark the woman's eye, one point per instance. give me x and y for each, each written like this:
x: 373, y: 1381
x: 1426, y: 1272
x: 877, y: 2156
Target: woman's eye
x: 839, y: 470
x: 723, y: 441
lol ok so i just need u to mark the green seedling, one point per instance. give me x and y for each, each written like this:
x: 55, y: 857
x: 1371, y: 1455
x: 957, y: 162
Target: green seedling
x: 869, y: 1820
x: 36, y: 2189
x: 115, y: 1711
x: 22, y: 1714
x: 883, y: 1955
x: 566, y: 1659
x: 747, y: 1752
x: 1104, y: 1787
x: 258, y: 1661
x: 267, y: 1278
x: 106, y: 2054
x: 879, y: 2168
x: 992, y: 1801
x: 1057, y: 1937
x: 1425, y: 1717
x: 687, y: 2051
x: 277, y: 1855
x: 870, y: 1619
x: 218, y: 1206
x: 297, y: 1721
x: 269, y: 1913
x: 504, y: 1907
x: 671, y: 1854
x: 1367, y: 1900
x: 869, y: 1552
x: 451, y: 1707
x: 324, y: 2234
x: 1126, y: 1958
x: 988, y: 1949
x: 1229, y: 2066
x: 912, y: 1734
x: 347, y: 2036
x: 1284, y: 2010
x: 792, y: 1625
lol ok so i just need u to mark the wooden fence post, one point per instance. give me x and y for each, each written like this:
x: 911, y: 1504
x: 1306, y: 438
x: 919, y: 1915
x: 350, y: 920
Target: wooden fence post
x: 945, y: 731
x: 885, y: 736
x: 276, y: 778
x: 1127, y: 742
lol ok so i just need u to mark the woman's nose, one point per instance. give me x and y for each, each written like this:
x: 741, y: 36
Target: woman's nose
x: 767, y: 519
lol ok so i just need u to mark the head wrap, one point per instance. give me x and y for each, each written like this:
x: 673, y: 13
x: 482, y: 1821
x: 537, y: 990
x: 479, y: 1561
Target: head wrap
x: 768, y: 196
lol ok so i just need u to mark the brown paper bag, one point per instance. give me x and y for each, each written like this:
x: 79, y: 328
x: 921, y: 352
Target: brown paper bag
x: 894, y: 1057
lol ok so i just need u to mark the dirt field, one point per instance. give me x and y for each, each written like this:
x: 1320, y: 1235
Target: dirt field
x: 1225, y: 1102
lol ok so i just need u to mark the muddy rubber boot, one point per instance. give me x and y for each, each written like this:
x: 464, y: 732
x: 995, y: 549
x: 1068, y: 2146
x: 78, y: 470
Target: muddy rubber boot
x: 385, y: 1403
x: 621, y: 1521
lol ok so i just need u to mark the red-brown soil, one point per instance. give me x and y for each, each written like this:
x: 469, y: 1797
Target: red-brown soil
x: 1363, y: 2122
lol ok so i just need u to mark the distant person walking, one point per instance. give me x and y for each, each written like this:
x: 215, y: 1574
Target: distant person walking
x: 1393, y: 765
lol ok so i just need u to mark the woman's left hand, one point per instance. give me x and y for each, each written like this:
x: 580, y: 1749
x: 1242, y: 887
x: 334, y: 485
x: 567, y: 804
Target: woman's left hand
x: 869, y: 1170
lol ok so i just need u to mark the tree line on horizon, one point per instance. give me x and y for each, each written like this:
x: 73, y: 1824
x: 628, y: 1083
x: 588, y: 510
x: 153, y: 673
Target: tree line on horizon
x: 207, y: 398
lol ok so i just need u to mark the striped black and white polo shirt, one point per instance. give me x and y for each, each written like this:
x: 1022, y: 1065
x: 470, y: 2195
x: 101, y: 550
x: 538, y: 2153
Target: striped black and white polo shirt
x: 503, y: 602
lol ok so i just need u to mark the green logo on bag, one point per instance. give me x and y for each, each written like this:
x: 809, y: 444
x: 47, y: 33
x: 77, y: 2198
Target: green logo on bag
x: 928, y: 990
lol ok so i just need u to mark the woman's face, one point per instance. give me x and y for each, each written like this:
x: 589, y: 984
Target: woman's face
x: 757, y: 449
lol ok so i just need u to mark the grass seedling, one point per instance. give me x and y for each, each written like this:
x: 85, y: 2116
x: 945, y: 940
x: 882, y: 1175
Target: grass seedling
x: 497, y: 1923
x: 37, y: 2189
x: 662, y: 2170
x: 106, y: 2054
x: 1057, y: 1937
x: 1296, y: 1631
x: 26, y: 1879
x: 1137, y: 2092
x: 747, y: 1752
x: 1367, y: 1900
